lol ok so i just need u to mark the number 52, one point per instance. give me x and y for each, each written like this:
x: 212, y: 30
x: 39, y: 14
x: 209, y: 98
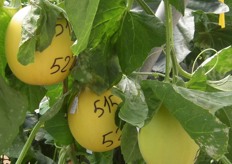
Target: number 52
x: 56, y: 66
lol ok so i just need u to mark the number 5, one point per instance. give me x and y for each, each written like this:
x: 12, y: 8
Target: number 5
x: 105, y: 141
x: 98, y: 108
x: 55, y: 65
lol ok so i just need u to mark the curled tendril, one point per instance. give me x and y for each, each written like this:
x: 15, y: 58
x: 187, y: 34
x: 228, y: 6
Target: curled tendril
x: 208, y: 49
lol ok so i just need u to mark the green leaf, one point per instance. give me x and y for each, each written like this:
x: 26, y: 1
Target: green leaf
x: 134, y: 108
x: 208, y: 6
x: 139, y: 33
x: 38, y: 29
x: 54, y: 109
x: 81, y: 15
x: 179, y: 5
x: 129, y: 144
x: 225, y: 115
x: 58, y: 128
x: 13, y: 107
x: 107, y: 21
x: 16, y: 147
x: 203, y: 158
x: 224, y: 84
x: 208, y: 34
x: 54, y: 92
x: 198, y: 80
x: 4, y: 20
x: 195, y: 111
x: 34, y: 94
x: 98, y: 68
x: 212, y: 101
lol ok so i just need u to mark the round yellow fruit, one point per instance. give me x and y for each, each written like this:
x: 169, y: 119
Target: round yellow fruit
x: 50, y: 66
x: 91, y: 119
x: 164, y: 141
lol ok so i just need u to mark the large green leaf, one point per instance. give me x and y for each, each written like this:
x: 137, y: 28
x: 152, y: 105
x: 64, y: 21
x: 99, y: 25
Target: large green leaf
x: 208, y: 34
x: 198, y: 80
x: 179, y: 5
x: 54, y: 92
x: 33, y: 93
x: 107, y: 21
x: 13, y: 107
x: 225, y: 115
x: 139, y: 33
x: 224, y: 84
x: 94, y: 22
x: 129, y: 144
x: 98, y: 68
x: 4, y: 20
x: 58, y: 128
x: 134, y: 108
x: 38, y: 29
x: 81, y: 15
x: 54, y: 109
x: 195, y: 111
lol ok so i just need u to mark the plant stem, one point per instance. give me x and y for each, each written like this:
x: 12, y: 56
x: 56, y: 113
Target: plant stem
x: 29, y: 141
x: 183, y: 72
x: 225, y: 160
x: 169, y: 36
x: 65, y: 86
x: 145, y: 7
x: 171, y: 60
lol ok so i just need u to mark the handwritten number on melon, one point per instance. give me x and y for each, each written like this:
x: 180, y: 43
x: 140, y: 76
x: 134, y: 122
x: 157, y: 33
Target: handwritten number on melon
x: 67, y: 60
x: 98, y: 109
x: 111, y: 101
x: 56, y: 67
x: 60, y: 28
x: 107, y: 141
x: 108, y: 103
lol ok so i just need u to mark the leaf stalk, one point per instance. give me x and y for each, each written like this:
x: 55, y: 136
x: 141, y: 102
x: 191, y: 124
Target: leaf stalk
x: 29, y: 142
x: 130, y: 4
x: 179, y: 70
x: 145, y: 7
x: 225, y: 160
